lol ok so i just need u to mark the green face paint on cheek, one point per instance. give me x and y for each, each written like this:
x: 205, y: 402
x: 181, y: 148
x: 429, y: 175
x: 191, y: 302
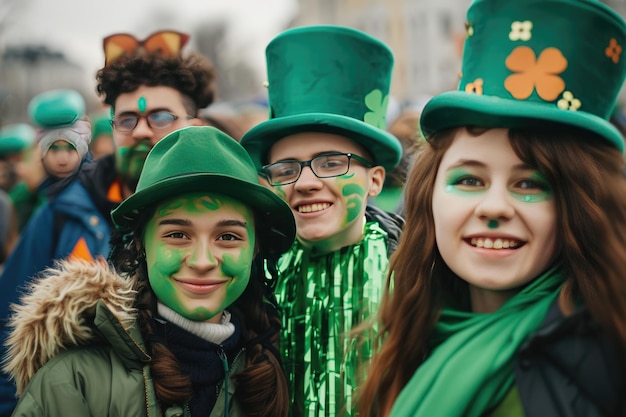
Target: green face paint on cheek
x: 354, y: 197
x: 280, y: 191
x: 162, y: 262
x: 165, y: 261
x: 129, y: 161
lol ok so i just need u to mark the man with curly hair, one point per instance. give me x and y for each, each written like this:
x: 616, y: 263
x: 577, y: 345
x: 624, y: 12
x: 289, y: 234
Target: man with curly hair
x: 152, y: 90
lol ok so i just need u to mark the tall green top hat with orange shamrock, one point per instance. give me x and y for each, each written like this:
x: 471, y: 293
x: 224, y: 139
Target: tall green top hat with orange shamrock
x: 536, y: 63
x: 329, y: 79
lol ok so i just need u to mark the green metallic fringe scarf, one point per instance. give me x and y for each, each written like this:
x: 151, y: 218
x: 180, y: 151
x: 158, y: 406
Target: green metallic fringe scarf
x: 471, y: 367
x: 323, y: 298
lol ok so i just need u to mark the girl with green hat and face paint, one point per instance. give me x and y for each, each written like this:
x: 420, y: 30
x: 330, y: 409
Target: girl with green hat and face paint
x: 186, y: 321
x: 507, y: 296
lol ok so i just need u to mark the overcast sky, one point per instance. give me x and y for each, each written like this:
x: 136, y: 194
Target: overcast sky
x: 76, y: 27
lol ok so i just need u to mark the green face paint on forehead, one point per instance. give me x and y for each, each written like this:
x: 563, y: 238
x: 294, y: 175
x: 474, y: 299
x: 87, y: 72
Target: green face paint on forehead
x: 141, y: 104
x: 193, y: 203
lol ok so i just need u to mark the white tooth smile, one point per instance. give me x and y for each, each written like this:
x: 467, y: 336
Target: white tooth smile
x: 310, y: 208
x: 488, y: 243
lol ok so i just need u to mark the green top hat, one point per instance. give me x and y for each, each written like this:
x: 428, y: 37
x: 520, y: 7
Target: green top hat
x: 16, y: 138
x: 536, y: 63
x: 328, y: 79
x: 56, y: 108
x: 204, y: 159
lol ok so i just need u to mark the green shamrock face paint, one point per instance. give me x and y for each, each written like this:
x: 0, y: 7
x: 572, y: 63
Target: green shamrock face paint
x: 199, y: 251
x: 353, y: 193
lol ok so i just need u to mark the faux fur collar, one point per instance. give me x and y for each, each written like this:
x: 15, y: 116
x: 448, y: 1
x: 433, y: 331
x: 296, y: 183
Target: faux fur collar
x: 55, y: 312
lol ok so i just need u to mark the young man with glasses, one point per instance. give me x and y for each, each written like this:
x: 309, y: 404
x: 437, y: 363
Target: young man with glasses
x: 324, y: 150
x: 152, y: 90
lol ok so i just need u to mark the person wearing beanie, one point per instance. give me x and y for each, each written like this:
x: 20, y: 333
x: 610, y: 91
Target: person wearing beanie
x: 507, y: 293
x: 62, y: 137
x: 152, y: 88
x: 16, y: 142
x: 64, y: 148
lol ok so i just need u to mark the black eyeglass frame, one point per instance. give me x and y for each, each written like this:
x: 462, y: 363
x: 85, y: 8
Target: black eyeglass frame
x: 144, y: 116
x: 360, y: 159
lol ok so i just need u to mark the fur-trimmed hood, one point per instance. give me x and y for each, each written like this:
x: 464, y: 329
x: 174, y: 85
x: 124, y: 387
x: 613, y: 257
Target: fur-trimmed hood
x: 56, y: 312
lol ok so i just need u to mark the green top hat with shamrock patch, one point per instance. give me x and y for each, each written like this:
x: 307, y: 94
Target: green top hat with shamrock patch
x: 204, y: 159
x: 329, y: 79
x: 536, y: 63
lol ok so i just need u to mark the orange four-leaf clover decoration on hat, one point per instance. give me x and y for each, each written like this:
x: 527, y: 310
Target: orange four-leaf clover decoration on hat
x: 614, y: 50
x: 535, y: 73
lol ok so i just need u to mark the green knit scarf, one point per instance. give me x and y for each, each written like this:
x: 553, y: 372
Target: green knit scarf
x: 471, y: 367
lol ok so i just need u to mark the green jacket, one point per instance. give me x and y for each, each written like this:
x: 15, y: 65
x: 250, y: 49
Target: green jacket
x: 103, y: 369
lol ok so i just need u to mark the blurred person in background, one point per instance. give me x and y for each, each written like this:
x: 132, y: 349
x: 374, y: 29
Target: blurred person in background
x: 16, y: 144
x: 153, y: 89
x: 61, y: 146
x: 102, y: 141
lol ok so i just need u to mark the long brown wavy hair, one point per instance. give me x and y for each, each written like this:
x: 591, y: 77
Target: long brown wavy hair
x: 590, y: 193
x: 262, y: 389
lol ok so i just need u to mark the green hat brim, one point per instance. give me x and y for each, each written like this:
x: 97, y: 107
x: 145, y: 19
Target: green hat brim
x: 457, y: 108
x: 273, y: 216
x: 383, y: 146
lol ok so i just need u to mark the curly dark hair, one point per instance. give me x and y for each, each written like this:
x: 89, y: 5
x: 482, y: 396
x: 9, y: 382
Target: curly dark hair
x: 193, y: 75
x: 261, y: 386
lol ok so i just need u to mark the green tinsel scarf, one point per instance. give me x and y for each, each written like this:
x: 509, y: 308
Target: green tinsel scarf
x: 471, y: 368
x: 323, y: 298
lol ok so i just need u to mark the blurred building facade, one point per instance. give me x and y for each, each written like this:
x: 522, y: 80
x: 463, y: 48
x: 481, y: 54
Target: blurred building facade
x: 426, y: 37
x: 29, y: 70
x: 423, y: 35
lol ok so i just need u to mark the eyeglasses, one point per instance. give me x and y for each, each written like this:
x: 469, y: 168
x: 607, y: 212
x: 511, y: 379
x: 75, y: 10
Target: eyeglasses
x: 323, y: 166
x: 165, y: 42
x: 160, y: 119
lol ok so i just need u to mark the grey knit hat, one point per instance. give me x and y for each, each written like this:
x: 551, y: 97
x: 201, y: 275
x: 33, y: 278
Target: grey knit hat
x: 77, y: 134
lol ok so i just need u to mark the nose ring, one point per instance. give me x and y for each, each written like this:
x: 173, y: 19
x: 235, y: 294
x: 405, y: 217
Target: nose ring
x: 493, y: 224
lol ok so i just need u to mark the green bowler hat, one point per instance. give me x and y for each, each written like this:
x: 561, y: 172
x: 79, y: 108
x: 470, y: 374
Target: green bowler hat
x: 56, y: 108
x: 536, y: 63
x: 329, y: 79
x: 204, y: 159
x: 16, y: 138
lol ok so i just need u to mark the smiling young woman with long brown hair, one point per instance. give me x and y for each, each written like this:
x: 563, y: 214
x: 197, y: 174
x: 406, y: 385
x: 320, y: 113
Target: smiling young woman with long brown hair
x: 507, y: 293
